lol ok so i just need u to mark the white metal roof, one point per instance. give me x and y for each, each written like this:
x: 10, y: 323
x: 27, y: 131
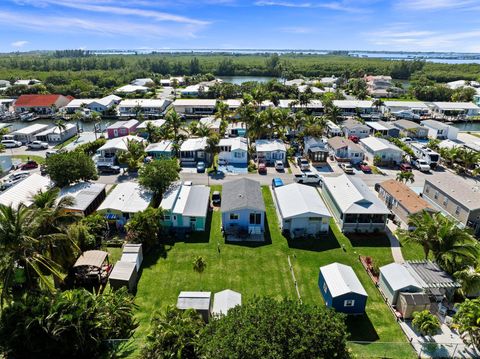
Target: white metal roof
x: 142, y: 102
x: 123, y: 271
x: 341, y: 279
x: 376, y: 126
x: 225, y: 300
x: 236, y: 143
x: 192, y: 201
x: 194, y: 300
x: 398, y: 277
x: 233, y: 103
x: 142, y: 81
x: 127, y: 197
x: 269, y: 145
x: 30, y: 129
x: 353, y: 103
x: 126, y: 124
x: 162, y: 146
x: 456, y: 105
x: 407, y: 104
x: 353, y: 196
x: 194, y: 144
x: 194, y: 88
x: 84, y: 193
x: 434, y: 124
x: 119, y: 143
x: 170, y: 196
x: 379, y: 144
x: 131, y: 88
x: 297, y: 200
x: 155, y: 123
x: 195, y: 102
x: 23, y: 191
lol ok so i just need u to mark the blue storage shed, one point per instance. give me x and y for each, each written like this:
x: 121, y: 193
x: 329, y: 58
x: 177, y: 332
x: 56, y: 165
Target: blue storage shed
x: 341, y: 289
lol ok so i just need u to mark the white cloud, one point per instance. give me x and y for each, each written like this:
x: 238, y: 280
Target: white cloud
x: 434, y: 4
x: 333, y: 5
x: 20, y: 43
x: 71, y: 24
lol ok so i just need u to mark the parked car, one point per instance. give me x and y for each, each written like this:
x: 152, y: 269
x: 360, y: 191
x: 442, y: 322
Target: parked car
x: 279, y: 165
x: 262, y: 168
x: 277, y: 182
x: 37, y: 145
x: 347, y: 167
x: 422, y: 165
x: 354, y: 139
x: 201, y: 167
x: 364, y: 167
x: 11, y: 143
x: 216, y: 198
x: 29, y: 165
x: 406, y: 140
x: 405, y: 167
x: 303, y: 163
x: 13, y: 179
x: 51, y: 153
x: 108, y: 169
x: 308, y: 178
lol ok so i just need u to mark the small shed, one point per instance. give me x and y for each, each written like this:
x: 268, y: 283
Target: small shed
x: 225, y: 300
x: 132, y: 252
x: 124, y: 274
x: 199, y: 301
x: 395, y: 278
x: 412, y: 302
x: 341, y: 289
x: 91, y: 268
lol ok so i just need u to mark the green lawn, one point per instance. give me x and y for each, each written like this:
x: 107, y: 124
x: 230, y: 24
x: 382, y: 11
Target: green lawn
x: 25, y: 158
x: 67, y: 142
x: 262, y: 270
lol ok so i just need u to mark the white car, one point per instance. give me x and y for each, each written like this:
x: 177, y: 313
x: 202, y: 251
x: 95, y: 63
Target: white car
x: 406, y: 140
x: 37, y: 145
x: 422, y: 165
x: 279, y: 165
x: 11, y: 143
x: 303, y: 164
x: 347, y: 167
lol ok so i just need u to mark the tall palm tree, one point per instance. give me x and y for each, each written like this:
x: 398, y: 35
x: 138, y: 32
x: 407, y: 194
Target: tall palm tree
x: 203, y: 130
x: 60, y: 125
x: 222, y: 111
x: 192, y: 128
x: 424, y: 233
x: 469, y: 278
x: 377, y: 103
x: 333, y: 113
x: 133, y: 156
x: 247, y: 113
x: 212, y: 145
x: 174, y: 122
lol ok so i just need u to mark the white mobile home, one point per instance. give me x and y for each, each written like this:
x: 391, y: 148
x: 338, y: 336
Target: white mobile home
x: 439, y: 130
x: 27, y: 134
x: 270, y: 151
x: 301, y: 211
x: 417, y: 107
x: 194, y: 107
x: 446, y: 109
x: 387, y: 152
x: 233, y: 150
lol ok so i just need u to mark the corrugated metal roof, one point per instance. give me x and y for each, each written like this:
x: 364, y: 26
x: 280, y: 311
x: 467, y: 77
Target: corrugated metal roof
x: 194, y: 144
x: 127, y: 197
x: 84, y: 193
x: 24, y: 191
x: 429, y: 275
x: 270, y: 145
x: 341, y: 279
x: 296, y: 200
x: 379, y: 144
x: 91, y: 258
x: 123, y: 271
x: 193, y: 201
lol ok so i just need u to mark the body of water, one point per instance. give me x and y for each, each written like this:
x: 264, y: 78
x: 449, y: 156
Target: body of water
x: 468, y: 126
x: 238, y: 80
x: 454, y: 59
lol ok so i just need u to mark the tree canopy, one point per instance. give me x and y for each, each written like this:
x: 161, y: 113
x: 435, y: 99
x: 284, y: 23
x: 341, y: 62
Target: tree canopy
x: 65, y: 168
x: 158, y: 175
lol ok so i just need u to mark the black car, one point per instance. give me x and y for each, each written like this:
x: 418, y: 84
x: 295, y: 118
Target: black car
x: 216, y: 198
x: 108, y: 169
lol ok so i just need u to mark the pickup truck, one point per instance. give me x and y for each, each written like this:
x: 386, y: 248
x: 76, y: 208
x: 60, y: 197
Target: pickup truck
x: 422, y: 165
x: 308, y: 178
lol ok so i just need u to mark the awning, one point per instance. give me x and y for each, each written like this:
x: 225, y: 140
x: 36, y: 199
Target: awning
x: 91, y: 258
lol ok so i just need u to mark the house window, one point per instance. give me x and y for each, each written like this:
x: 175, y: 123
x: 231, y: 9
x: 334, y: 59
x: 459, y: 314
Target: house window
x: 445, y: 201
x: 325, y: 288
x: 349, y: 303
x: 193, y: 219
x: 427, y: 189
x: 436, y: 195
x: 166, y: 218
x: 255, y: 218
x: 233, y: 216
x: 457, y: 210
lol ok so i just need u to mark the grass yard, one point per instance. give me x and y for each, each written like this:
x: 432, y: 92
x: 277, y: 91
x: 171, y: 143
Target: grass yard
x: 25, y: 158
x: 262, y: 270
x: 66, y: 143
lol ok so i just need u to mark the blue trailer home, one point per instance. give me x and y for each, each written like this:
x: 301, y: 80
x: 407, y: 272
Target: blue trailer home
x: 341, y: 289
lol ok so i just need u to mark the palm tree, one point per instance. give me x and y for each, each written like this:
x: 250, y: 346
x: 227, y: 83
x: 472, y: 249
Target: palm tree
x: 151, y: 130
x: 133, y: 156
x: 377, y: 103
x: 22, y: 258
x: 174, y: 122
x: 333, y: 113
x: 405, y: 177
x: 425, y: 322
x: 199, y: 264
x: 222, y: 111
x: 203, y: 130
x: 60, y: 125
x: 212, y: 145
x: 424, y: 232
x: 247, y: 113
x: 469, y: 278
x: 192, y: 128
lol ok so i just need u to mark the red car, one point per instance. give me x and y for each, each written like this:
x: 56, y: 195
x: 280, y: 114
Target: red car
x: 29, y: 165
x: 262, y: 168
x: 405, y: 167
x: 354, y: 139
x: 365, y: 168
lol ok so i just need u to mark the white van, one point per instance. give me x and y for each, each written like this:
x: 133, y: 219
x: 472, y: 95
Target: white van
x: 11, y: 143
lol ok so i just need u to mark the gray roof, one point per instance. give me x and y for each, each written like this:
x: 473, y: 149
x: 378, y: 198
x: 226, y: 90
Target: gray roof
x: 338, y: 142
x: 463, y: 190
x: 429, y: 275
x: 405, y: 124
x: 353, y: 124
x: 197, y: 202
x: 243, y: 193
x: 83, y: 193
x: 194, y: 300
x: 123, y: 271
x: 91, y: 258
x: 398, y: 277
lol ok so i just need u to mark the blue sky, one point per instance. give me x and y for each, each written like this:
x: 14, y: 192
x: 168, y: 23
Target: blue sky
x: 418, y: 25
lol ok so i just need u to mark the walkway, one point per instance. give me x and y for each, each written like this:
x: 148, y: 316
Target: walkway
x: 394, y: 243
